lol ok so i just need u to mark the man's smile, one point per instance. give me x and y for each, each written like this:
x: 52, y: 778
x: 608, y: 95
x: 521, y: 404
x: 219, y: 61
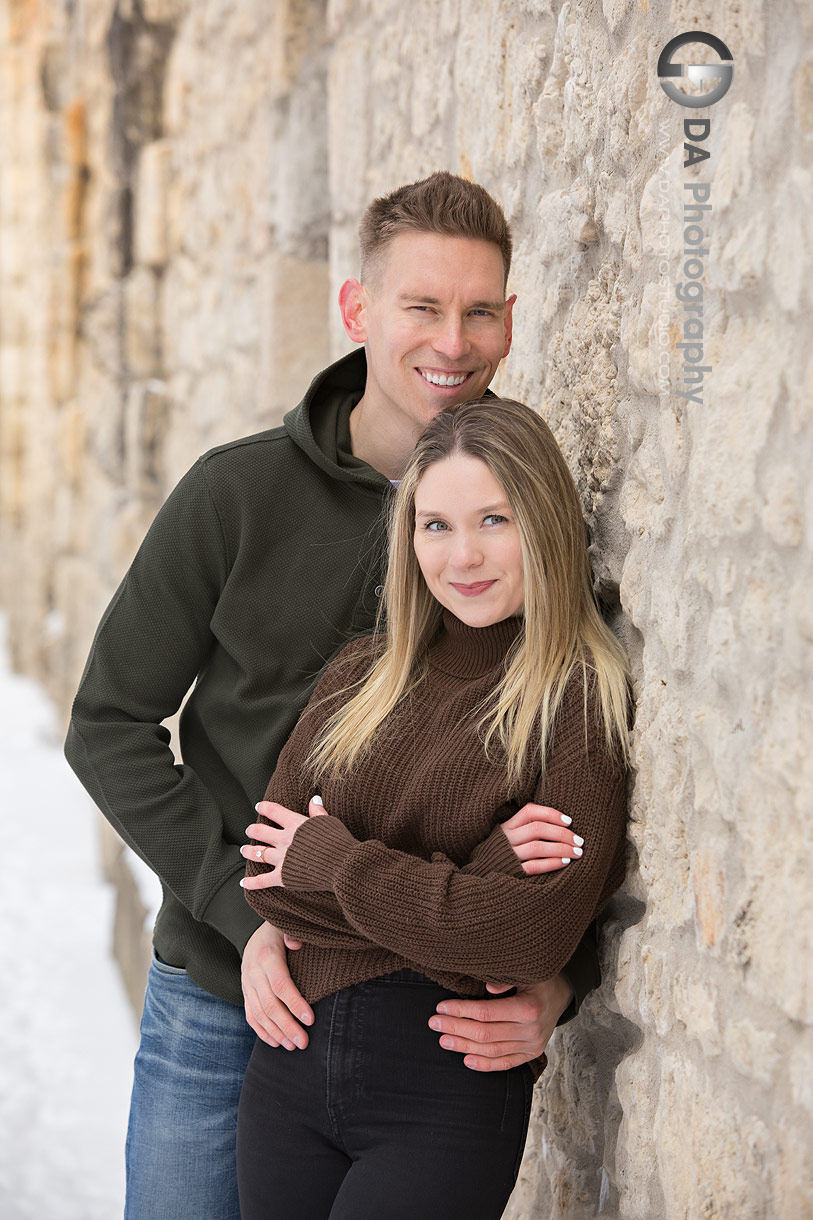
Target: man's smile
x: 438, y: 378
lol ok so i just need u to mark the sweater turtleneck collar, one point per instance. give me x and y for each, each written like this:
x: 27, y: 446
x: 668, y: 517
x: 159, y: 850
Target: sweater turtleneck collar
x: 469, y: 652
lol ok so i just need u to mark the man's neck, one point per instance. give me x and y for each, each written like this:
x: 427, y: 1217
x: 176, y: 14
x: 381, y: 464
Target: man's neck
x: 379, y: 441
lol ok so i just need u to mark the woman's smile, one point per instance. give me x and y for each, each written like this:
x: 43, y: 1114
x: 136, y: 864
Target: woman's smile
x: 473, y: 590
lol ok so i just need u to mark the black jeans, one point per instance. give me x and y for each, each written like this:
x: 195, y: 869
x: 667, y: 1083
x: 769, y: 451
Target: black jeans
x: 374, y: 1120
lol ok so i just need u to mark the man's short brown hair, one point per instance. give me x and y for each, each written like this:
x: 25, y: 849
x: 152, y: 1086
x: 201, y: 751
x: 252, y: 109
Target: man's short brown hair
x: 442, y: 203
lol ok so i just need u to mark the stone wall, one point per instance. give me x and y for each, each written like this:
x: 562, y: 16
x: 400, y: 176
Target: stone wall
x: 179, y: 191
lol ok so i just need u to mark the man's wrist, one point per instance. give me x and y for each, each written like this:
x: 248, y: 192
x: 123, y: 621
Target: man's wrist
x: 563, y: 996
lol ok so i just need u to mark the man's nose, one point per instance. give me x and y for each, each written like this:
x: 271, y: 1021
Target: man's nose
x: 450, y: 339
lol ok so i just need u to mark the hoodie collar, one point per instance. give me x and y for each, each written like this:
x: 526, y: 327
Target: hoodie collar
x: 319, y: 424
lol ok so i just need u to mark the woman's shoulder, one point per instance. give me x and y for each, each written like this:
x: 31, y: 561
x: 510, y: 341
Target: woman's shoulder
x: 580, y: 716
x: 349, y: 663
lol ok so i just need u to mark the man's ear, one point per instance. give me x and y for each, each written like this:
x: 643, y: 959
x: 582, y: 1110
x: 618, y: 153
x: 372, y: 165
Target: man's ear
x: 352, y: 303
x: 509, y: 323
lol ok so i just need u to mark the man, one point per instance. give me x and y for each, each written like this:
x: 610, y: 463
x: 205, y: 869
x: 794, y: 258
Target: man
x: 264, y: 560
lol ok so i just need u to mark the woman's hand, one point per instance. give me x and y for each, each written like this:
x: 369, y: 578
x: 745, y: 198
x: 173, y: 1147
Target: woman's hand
x: 274, y: 840
x: 541, y: 839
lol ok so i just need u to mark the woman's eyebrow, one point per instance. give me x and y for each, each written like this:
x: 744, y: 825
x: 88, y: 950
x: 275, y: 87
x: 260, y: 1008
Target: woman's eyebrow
x: 488, y: 508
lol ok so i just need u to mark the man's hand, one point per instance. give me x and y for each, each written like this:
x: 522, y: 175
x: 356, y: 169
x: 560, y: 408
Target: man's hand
x: 274, y: 1007
x: 501, y: 1033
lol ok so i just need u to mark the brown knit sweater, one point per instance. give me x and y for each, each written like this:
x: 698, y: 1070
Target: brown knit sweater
x: 412, y: 868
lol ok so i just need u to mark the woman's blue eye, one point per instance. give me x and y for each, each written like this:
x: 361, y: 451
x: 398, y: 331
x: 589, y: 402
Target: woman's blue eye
x: 495, y: 517
x: 435, y: 527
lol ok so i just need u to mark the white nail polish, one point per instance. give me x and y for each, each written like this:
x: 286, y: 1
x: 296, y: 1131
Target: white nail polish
x: 577, y: 851
x: 242, y: 881
x: 257, y: 807
x: 565, y: 859
x: 566, y: 819
x: 317, y: 800
x: 578, y: 840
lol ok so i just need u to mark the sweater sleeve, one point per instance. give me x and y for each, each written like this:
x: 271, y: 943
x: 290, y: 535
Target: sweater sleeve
x: 498, y: 926
x: 152, y: 642
x: 315, y: 916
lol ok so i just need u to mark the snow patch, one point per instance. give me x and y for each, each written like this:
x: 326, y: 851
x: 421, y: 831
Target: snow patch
x: 67, y: 1032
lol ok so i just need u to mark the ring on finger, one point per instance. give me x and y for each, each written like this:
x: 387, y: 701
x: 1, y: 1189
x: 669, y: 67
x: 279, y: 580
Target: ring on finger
x: 259, y: 853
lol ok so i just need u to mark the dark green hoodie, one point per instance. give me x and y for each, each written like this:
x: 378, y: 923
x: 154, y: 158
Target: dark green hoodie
x: 262, y: 563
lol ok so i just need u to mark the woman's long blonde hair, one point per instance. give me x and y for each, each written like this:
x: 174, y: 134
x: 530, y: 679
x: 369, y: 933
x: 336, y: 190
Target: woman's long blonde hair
x: 562, y: 627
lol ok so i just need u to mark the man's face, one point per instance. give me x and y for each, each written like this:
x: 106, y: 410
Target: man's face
x: 435, y: 323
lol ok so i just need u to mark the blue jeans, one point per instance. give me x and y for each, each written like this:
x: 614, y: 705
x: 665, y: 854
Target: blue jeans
x: 183, y: 1116
x: 374, y: 1120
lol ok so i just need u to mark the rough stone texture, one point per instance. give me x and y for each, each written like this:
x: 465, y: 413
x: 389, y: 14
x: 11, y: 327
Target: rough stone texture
x: 180, y: 186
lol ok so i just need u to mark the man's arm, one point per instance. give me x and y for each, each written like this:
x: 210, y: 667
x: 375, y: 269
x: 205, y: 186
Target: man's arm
x: 152, y: 642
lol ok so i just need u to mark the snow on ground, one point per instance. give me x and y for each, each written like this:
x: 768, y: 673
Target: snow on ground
x: 67, y: 1032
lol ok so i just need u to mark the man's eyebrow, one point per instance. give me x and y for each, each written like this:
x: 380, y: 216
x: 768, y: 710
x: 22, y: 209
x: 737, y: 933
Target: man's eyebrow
x: 489, y: 508
x: 424, y: 300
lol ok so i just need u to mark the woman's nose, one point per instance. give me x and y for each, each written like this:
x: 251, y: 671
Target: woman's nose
x: 466, y: 553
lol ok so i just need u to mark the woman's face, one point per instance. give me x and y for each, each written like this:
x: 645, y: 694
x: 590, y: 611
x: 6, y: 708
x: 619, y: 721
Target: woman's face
x: 467, y: 542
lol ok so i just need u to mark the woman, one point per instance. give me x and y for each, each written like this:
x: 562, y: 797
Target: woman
x: 496, y: 684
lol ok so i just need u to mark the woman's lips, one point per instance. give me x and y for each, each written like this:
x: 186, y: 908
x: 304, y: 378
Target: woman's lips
x: 473, y: 590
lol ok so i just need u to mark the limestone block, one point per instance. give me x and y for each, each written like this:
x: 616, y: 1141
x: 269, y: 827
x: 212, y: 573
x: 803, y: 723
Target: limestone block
x: 711, y: 1151
x: 14, y: 254
x: 803, y: 95
x: 728, y: 440
x: 164, y: 12
x: 615, y: 11
x: 347, y: 102
x: 638, y: 1081
x: 294, y: 332
x: 696, y: 1006
x: 793, y: 1175
x: 141, y: 313
x: 800, y: 1071
x: 496, y: 124
x: 708, y: 882
x: 208, y: 403
x: 72, y: 442
x: 752, y: 1049
x: 179, y: 83
x: 792, y: 239
x: 146, y: 416
x: 742, y: 259
x: 734, y: 157
x: 301, y: 162
x: 12, y: 371
x: 643, y: 501
x: 102, y: 326
x: 295, y: 34
x: 783, y: 512
x: 151, y: 203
